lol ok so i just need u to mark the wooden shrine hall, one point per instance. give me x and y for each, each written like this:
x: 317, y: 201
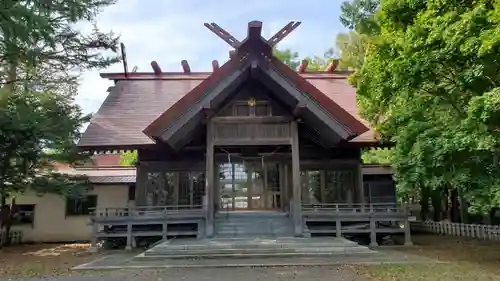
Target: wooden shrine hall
x: 253, y: 140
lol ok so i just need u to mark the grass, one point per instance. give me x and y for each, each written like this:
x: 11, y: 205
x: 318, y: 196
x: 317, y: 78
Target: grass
x: 42, y: 260
x: 463, y: 260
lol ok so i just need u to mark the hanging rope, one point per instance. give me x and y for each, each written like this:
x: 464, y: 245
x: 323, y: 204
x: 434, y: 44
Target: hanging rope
x: 229, y: 155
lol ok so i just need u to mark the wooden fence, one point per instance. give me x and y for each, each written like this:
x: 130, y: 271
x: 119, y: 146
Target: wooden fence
x: 480, y: 231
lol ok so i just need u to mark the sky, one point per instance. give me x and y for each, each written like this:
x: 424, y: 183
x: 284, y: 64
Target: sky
x: 169, y: 31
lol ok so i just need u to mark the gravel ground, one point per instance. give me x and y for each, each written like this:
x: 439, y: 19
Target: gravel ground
x: 217, y: 274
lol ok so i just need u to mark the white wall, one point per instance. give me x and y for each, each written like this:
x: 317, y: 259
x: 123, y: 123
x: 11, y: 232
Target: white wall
x: 51, y: 223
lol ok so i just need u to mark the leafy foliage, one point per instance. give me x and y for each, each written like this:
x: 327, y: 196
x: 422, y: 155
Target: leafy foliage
x: 430, y: 84
x: 128, y: 158
x: 377, y: 156
x: 36, y: 130
x: 359, y: 15
x: 41, y: 56
x: 291, y: 59
x: 352, y: 49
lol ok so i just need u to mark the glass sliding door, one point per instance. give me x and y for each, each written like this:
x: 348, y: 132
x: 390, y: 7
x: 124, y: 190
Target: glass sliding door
x: 249, y: 186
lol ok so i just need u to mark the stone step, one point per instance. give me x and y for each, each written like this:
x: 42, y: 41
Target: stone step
x: 250, y: 214
x: 256, y: 224
x: 251, y: 254
x: 253, y: 231
x: 259, y: 243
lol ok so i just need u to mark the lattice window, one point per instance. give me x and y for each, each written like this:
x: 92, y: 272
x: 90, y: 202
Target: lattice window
x: 198, y: 179
x: 339, y: 185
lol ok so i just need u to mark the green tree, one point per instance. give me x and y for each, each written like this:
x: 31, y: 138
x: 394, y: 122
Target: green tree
x: 359, y: 15
x: 316, y: 63
x: 41, y: 56
x: 430, y: 84
x: 377, y: 156
x: 288, y: 57
x: 352, y: 49
x: 128, y: 158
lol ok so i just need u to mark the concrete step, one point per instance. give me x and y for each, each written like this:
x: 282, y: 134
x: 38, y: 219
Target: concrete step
x: 253, y: 248
x: 250, y: 214
x: 239, y: 254
x: 254, y: 231
x: 249, y: 243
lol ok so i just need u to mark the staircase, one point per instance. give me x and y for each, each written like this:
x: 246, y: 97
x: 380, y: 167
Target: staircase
x: 253, y: 248
x: 253, y: 224
x: 247, y: 235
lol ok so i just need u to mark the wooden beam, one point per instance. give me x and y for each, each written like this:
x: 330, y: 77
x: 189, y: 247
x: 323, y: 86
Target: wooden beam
x: 215, y: 65
x: 256, y: 119
x: 303, y: 66
x: 156, y: 67
x: 332, y: 66
x: 209, y: 183
x: 282, y: 33
x: 185, y: 66
x: 299, y: 109
x: 297, y: 207
x: 208, y: 112
x: 254, y: 30
x: 224, y: 35
x: 124, y: 59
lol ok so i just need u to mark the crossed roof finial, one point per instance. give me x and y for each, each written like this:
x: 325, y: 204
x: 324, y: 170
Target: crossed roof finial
x: 254, y: 29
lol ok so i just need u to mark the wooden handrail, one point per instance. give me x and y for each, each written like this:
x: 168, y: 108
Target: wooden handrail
x: 353, y: 207
x: 143, y: 210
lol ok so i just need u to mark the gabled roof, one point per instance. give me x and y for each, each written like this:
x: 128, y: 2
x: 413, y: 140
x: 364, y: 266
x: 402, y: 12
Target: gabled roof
x: 141, y: 104
x: 257, y: 52
x: 134, y: 103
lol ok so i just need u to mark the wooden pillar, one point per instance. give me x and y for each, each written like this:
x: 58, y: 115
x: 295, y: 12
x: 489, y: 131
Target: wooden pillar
x: 285, y: 188
x: 373, y: 228
x: 249, y: 186
x: 140, y: 185
x: 176, y: 188
x: 361, y: 189
x: 297, y: 207
x: 165, y: 230
x: 191, y: 189
x: 338, y: 222
x: 93, y: 241
x: 129, y: 237
x: 209, y: 182
x: 233, y: 184
x: 216, y: 193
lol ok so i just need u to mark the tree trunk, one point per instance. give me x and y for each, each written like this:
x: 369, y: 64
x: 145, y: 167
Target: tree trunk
x: 437, y: 205
x: 424, y: 202
x: 8, y: 223
x: 464, y: 213
x: 3, y: 215
x: 446, y: 204
x: 455, y: 214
